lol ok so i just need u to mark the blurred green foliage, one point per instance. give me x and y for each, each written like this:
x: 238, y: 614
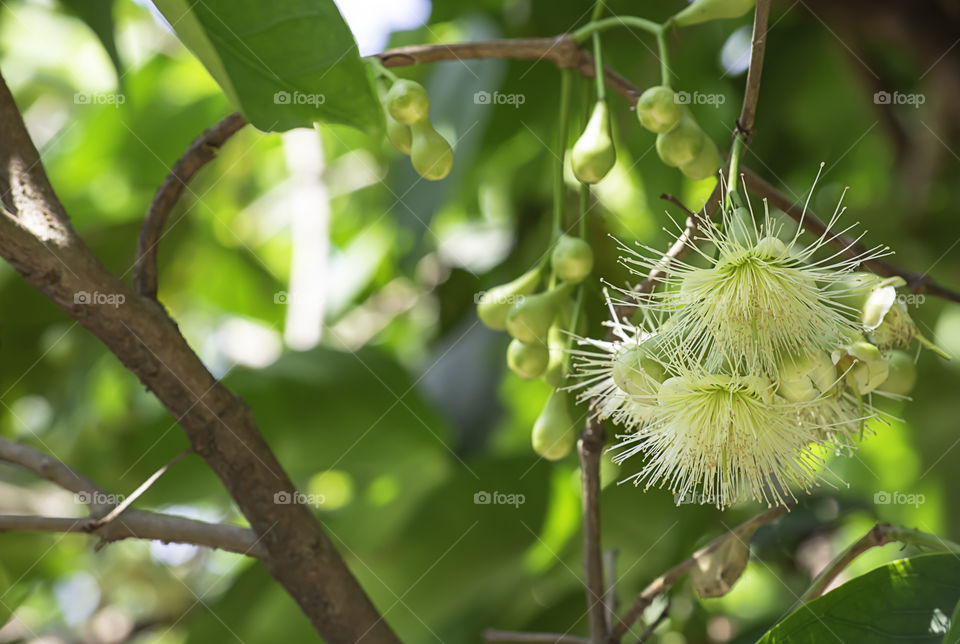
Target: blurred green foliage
x: 404, y: 412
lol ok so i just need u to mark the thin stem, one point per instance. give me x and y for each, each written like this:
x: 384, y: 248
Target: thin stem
x: 589, y: 29
x: 598, y: 64
x: 736, y: 152
x: 664, y: 52
x: 379, y: 69
x: 597, y: 11
x: 751, y: 95
x: 563, y: 128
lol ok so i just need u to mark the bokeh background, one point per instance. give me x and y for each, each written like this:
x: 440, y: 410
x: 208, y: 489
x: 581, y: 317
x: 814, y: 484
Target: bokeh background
x: 334, y: 290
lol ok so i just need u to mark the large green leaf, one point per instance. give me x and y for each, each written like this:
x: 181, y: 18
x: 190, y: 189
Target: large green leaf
x: 909, y: 600
x: 285, y: 64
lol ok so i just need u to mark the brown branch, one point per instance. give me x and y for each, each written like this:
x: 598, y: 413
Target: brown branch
x: 562, y: 51
x: 57, y: 472
x: 758, y: 46
x: 917, y: 282
x: 133, y: 524
x: 611, y: 600
x: 493, y: 635
x: 589, y: 449
x: 201, y: 151
x: 139, y: 524
x: 36, y: 238
x: 664, y: 582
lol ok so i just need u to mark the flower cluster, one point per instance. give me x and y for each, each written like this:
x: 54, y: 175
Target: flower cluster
x: 751, y: 364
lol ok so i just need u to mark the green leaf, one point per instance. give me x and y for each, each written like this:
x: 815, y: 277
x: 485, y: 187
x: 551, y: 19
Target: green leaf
x: 98, y: 14
x: 284, y: 64
x: 953, y: 633
x: 909, y: 600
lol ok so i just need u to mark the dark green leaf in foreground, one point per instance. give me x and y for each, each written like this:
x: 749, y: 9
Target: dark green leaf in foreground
x: 909, y: 600
x: 284, y: 64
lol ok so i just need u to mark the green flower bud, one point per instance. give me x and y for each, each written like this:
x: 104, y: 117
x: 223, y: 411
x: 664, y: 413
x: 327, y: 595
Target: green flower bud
x: 681, y: 145
x: 572, y: 259
x: 903, y: 374
x: 671, y: 388
x: 593, y: 154
x: 430, y: 153
x: 554, y: 432
x: 704, y: 10
x: 862, y: 365
x: 529, y: 319
x: 527, y: 360
x: 407, y: 102
x: 805, y: 378
x: 495, y: 303
x: 705, y: 164
x: 658, y: 110
x: 557, y: 342
x: 635, y: 373
x: 771, y: 248
x: 399, y: 134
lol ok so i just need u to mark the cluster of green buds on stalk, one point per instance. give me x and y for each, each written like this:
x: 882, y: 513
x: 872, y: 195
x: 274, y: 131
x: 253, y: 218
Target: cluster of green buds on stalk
x: 407, y: 111
x: 680, y: 141
x: 538, y: 324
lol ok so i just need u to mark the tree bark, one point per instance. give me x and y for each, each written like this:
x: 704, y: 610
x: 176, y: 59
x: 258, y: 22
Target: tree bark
x: 37, y: 239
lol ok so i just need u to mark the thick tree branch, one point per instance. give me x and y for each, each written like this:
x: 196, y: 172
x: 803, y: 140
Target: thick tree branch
x: 37, y: 239
x: 201, y: 151
x: 133, y: 523
x: 664, y: 582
